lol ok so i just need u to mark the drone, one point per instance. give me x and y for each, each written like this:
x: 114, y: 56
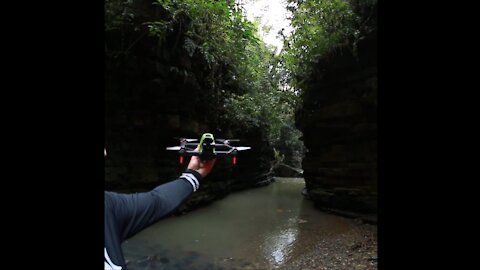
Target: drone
x: 208, y: 148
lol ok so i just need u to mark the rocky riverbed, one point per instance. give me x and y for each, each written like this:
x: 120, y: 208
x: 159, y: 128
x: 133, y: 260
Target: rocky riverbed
x: 354, y: 249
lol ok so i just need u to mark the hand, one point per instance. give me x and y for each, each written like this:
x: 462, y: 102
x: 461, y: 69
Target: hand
x: 202, y: 167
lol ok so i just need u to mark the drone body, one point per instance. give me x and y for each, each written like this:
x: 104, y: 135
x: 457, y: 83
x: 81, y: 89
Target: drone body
x: 208, y: 148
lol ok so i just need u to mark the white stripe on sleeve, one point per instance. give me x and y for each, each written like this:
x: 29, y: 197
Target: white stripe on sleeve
x: 192, y: 179
x: 109, y: 265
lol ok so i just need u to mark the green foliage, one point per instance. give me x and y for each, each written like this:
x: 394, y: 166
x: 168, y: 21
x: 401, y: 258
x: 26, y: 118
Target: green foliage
x: 273, y: 112
x: 320, y: 28
x: 213, y: 29
x: 118, y: 13
x: 267, y: 105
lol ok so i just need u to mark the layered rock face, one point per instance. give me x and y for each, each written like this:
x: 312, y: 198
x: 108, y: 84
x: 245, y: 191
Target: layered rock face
x: 339, y: 123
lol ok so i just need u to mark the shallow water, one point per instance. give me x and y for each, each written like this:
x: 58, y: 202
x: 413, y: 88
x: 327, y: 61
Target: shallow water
x: 262, y: 228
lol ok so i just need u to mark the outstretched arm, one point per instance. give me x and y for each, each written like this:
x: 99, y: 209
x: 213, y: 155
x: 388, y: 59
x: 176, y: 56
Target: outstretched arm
x: 142, y: 209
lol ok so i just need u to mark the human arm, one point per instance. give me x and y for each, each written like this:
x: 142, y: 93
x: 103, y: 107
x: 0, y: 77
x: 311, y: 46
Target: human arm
x: 140, y: 210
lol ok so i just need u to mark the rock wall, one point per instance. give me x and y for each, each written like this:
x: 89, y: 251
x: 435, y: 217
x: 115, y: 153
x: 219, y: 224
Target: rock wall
x: 339, y: 123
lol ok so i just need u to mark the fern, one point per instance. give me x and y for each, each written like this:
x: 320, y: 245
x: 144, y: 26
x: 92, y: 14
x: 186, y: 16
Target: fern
x: 190, y: 46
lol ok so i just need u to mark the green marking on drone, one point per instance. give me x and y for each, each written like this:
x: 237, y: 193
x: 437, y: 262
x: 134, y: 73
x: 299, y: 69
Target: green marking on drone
x: 206, y: 136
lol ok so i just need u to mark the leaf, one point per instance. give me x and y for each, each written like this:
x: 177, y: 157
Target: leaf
x: 189, y: 46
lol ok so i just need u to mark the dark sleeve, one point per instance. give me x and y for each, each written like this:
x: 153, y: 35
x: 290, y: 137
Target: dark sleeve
x: 139, y: 210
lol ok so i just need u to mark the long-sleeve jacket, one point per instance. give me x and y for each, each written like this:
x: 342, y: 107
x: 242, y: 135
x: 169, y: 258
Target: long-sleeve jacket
x: 128, y: 214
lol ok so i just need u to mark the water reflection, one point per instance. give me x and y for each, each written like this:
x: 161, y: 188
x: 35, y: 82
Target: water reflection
x: 278, y: 243
x: 278, y: 246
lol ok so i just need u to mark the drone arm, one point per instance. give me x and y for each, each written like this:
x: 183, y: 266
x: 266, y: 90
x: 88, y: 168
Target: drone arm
x: 190, y: 153
x: 223, y: 153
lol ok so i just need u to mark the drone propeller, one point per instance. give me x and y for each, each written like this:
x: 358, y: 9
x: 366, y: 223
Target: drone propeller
x: 241, y: 148
x: 186, y: 139
x: 227, y: 140
x: 175, y: 148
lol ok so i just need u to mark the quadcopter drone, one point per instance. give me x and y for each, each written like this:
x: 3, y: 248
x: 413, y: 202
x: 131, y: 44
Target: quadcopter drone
x: 208, y: 148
